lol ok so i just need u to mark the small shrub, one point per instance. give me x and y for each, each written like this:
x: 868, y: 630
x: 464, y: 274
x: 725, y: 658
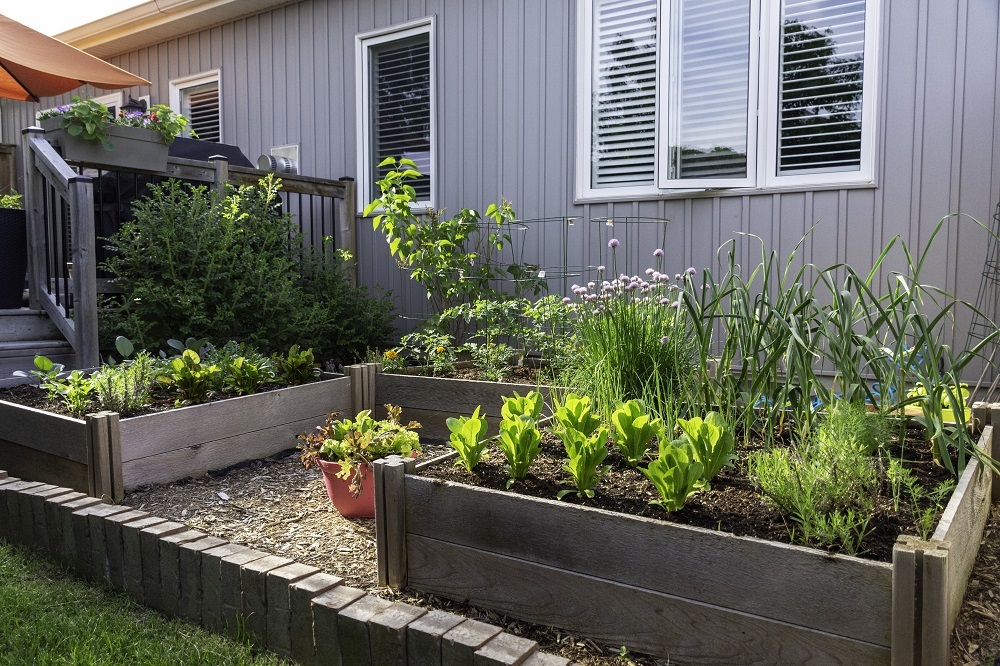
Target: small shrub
x: 493, y: 359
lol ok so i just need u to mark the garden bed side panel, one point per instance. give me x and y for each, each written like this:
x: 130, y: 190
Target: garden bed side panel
x: 432, y: 400
x: 695, y: 595
x: 39, y: 446
x: 164, y: 447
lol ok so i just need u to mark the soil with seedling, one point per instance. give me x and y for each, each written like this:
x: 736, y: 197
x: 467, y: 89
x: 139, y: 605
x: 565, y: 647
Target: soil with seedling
x: 518, y: 374
x: 732, y: 504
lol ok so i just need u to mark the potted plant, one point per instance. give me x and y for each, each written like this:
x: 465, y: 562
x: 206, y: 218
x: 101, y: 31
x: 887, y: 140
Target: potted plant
x: 13, y: 251
x: 87, y: 131
x: 345, y: 449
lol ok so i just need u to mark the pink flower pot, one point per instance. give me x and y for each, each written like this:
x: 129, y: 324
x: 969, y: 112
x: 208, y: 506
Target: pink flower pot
x: 340, y: 493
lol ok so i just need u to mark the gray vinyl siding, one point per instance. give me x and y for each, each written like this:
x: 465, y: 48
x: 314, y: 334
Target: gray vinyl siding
x: 288, y: 76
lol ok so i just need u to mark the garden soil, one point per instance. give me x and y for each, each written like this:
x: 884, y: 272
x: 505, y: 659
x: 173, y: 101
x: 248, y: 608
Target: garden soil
x: 276, y: 506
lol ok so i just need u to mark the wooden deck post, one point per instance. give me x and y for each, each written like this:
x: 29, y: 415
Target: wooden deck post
x: 81, y: 210
x: 220, y: 163
x: 344, y: 237
x: 34, y: 193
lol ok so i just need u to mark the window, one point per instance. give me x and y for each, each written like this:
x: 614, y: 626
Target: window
x: 396, y: 105
x: 696, y: 94
x: 198, y: 98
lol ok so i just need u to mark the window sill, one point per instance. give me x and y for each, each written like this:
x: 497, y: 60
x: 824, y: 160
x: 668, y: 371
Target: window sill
x: 666, y: 195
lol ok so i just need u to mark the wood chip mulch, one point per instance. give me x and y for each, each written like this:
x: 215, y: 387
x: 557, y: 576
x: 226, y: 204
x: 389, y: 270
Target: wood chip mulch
x: 276, y: 506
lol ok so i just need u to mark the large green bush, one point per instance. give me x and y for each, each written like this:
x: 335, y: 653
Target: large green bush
x: 191, y: 265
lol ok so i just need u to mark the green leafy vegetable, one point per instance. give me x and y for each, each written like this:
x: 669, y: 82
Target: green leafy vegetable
x: 468, y: 437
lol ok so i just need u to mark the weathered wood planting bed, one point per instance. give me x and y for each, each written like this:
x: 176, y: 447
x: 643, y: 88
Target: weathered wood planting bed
x: 691, y: 594
x: 102, y: 455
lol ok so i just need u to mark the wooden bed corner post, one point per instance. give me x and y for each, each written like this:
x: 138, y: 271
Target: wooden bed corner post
x: 920, y: 627
x: 935, y: 634
x: 905, y: 599
x: 362, y: 385
x: 105, y: 457
x: 994, y: 418
x: 390, y: 521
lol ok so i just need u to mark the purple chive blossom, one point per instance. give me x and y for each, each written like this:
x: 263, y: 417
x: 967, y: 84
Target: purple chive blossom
x: 632, y: 286
x: 677, y: 276
x: 657, y: 252
x: 664, y: 339
x: 664, y: 301
x: 591, y: 285
x: 613, y: 243
x: 691, y: 270
x: 649, y: 271
x: 591, y: 298
x: 675, y: 304
x: 566, y: 300
x: 601, y: 269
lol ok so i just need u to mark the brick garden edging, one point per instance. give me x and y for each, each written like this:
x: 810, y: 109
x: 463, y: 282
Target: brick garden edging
x: 289, y: 608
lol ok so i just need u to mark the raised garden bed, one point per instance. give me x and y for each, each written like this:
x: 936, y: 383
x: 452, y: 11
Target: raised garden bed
x: 692, y: 594
x: 103, y: 454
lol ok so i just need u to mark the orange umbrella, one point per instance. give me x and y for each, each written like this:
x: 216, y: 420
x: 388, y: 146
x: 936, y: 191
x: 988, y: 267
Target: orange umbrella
x: 34, y: 65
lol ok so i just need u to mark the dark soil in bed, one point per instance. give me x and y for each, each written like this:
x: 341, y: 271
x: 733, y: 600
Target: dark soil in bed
x: 731, y: 505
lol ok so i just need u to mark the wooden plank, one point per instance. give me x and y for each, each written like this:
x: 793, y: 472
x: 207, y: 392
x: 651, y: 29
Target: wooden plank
x: 357, y: 398
x: 835, y: 593
x: 994, y: 416
x: 48, y: 303
x: 295, y: 183
x: 33, y: 206
x: 457, y: 396
x: 50, y: 163
x: 198, y: 459
x: 99, y: 448
x: 35, y: 465
x: 84, y: 241
x: 395, y: 522
x: 55, y: 434
x: 220, y: 165
x: 381, y: 545
x: 935, y: 627
x: 115, y: 454
x: 617, y: 614
x: 904, y: 602
x: 153, y: 434
x: 962, y: 524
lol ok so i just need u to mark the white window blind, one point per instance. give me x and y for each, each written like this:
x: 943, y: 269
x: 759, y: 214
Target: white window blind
x: 400, y: 107
x: 623, y: 150
x: 200, y: 104
x: 821, y: 84
x: 709, y: 92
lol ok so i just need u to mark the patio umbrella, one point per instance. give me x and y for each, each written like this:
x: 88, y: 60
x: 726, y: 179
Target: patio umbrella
x: 34, y: 65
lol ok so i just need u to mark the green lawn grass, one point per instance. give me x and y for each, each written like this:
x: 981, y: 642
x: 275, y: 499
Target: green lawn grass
x: 49, y: 617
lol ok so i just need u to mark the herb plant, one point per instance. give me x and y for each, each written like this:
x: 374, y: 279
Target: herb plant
x: 76, y: 390
x: 851, y: 422
x: 634, y: 430
x: 468, y: 437
x: 125, y: 387
x: 493, y: 359
x: 676, y: 474
x: 519, y: 441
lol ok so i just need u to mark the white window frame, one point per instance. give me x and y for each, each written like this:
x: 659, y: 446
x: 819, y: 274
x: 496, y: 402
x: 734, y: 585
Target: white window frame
x: 112, y: 99
x: 762, y: 121
x: 180, y: 84
x: 363, y: 45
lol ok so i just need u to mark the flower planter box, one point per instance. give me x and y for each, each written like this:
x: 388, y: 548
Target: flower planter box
x: 132, y: 147
x: 690, y: 594
x: 432, y: 400
x: 102, y: 455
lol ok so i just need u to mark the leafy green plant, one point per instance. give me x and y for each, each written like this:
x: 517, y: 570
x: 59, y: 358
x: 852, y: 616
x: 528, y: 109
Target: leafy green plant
x: 246, y: 376
x: 13, y: 200
x: 529, y: 406
x: 493, y: 359
x: 358, y: 442
x: 432, y: 348
x: 468, y: 437
x: 519, y: 441
x: 576, y: 413
x: 47, y: 373
x: 676, y: 474
x: 585, y: 454
x: 189, y: 377
x: 634, y: 430
x: 392, y: 361
x: 160, y: 118
x: 125, y: 387
x: 88, y: 120
x: 712, y: 440
x: 296, y: 367
x: 76, y: 391
x: 924, y: 505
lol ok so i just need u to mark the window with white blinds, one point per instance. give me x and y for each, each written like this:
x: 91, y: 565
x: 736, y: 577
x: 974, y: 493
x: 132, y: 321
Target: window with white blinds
x: 624, y: 119
x: 694, y: 94
x: 396, y: 106
x: 401, y: 107
x: 201, y: 106
x: 198, y: 98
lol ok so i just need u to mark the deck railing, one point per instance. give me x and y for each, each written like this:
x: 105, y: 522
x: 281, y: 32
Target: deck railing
x: 72, y: 205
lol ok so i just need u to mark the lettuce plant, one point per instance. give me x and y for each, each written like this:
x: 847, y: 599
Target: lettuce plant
x: 468, y: 437
x: 712, y: 441
x: 576, y: 413
x: 586, y: 453
x: 676, y: 474
x: 633, y: 430
x: 517, y: 405
x: 519, y: 441
x: 190, y: 377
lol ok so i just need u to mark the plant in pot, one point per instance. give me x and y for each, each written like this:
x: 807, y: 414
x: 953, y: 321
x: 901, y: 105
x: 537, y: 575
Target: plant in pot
x: 13, y: 251
x: 345, y: 449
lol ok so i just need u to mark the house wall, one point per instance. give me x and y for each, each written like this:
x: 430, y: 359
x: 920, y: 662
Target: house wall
x: 288, y: 77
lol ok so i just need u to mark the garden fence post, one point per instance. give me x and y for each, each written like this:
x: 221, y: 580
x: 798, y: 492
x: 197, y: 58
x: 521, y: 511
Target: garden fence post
x: 344, y: 237
x: 220, y: 164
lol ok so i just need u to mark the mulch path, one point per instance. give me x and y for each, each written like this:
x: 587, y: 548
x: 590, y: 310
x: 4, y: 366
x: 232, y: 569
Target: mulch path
x: 976, y: 639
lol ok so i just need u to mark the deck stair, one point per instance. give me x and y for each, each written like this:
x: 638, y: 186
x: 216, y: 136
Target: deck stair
x: 25, y: 334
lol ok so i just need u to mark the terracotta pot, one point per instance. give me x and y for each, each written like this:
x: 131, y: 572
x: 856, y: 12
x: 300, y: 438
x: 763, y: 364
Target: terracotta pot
x: 340, y: 492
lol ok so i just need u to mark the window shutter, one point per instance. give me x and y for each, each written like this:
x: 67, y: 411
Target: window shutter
x: 401, y: 107
x: 710, y: 89
x: 201, y: 106
x: 624, y: 91
x: 821, y: 78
